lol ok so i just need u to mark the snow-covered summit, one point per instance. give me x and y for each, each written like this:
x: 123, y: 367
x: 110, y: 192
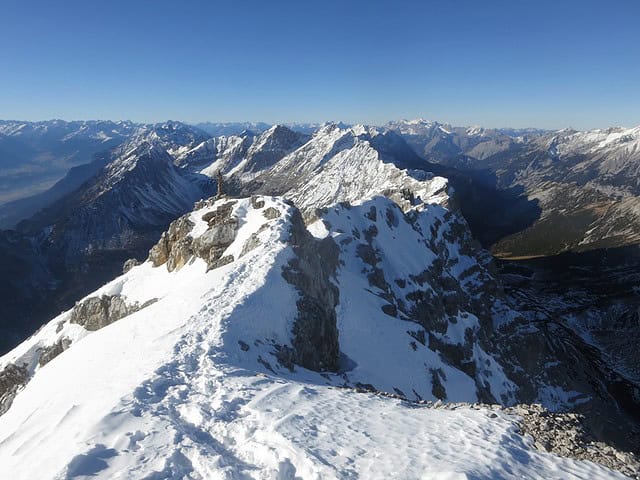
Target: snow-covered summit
x: 191, y: 365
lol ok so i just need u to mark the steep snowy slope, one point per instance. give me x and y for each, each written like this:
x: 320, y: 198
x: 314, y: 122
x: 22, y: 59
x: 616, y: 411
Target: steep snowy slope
x: 189, y: 366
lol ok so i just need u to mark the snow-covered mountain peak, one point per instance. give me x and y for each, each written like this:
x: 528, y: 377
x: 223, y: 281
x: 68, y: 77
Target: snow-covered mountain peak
x: 610, y: 154
x: 277, y: 137
x: 148, y: 152
x: 266, y: 150
x: 418, y: 126
x: 361, y: 130
x: 175, y: 137
x: 475, y: 130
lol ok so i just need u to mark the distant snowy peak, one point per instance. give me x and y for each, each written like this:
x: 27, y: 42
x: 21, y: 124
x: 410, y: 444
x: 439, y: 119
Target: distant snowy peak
x: 227, y: 129
x: 216, y: 154
x: 270, y: 147
x: 311, y: 128
x: 429, y: 128
x: 149, y: 156
x: 419, y: 126
x: 605, y: 159
x: 266, y: 150
x: 175, y: 137
x: 348, y: 164
x: 615, y: 140
x: 100, y: 130
x: 122, y: 207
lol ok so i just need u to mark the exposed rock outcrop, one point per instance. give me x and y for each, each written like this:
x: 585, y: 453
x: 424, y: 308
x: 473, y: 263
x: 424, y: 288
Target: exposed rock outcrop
x: 174, y: 246
x: 12, y: 378
x: 177, y: 246
x: 315, y: 333
x: 221, y: 233
x: 129, y: 264
x: 52, y: 351
x: 95, y: 313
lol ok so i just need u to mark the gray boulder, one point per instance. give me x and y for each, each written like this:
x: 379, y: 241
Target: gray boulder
x: 129, y: 264
x: 98, y: 312
x: 173, y: 245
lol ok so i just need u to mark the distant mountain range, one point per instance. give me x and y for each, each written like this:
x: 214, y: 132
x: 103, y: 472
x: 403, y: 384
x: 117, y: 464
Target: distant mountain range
x: 584, y: 185
x: 580, y: 188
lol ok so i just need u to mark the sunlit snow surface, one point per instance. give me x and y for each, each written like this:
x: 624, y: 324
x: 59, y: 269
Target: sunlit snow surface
x: 170, y: 392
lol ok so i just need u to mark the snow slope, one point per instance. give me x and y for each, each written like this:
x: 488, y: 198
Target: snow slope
x: 190, y: 386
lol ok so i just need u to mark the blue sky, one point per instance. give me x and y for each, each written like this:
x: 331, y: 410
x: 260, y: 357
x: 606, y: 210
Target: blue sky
x: 494, y: 63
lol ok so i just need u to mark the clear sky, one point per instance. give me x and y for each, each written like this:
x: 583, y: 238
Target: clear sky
x: 494, y: 63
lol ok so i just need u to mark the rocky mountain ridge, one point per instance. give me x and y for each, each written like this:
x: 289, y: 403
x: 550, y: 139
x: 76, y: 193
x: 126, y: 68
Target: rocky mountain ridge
x: 338, y: 244
x: 280, y: 298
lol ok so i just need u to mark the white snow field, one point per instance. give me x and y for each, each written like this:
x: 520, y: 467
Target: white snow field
x: 187, y: 388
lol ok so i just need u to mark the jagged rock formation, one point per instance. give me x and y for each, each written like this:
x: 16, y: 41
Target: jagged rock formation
x: 95, y: 313
x: 176, y: 246
x: 129, y: 264
x: 12, y: 378
x: 52, y: 351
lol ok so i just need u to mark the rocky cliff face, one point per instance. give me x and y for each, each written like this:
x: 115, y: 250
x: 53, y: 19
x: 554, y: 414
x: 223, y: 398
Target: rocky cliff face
x: 315, y: 331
